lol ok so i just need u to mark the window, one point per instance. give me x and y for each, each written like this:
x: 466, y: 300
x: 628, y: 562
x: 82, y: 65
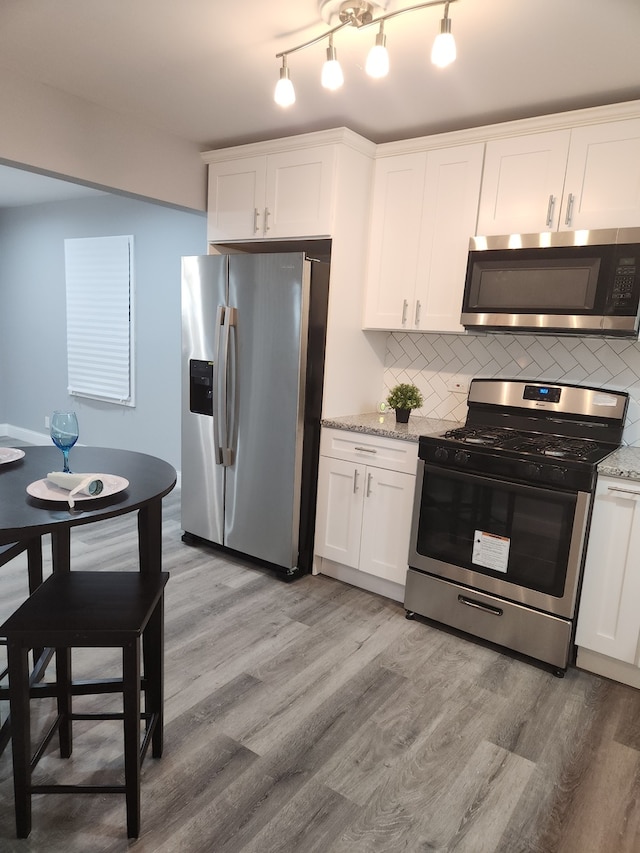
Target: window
x: 100, y: 340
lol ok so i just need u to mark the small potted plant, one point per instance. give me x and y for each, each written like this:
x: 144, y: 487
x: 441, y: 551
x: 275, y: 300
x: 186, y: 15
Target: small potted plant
x: 403, y: 398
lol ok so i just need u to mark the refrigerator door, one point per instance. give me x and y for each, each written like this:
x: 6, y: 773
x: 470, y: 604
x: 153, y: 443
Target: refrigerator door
x: 204, y: 297
x: 262, y: 512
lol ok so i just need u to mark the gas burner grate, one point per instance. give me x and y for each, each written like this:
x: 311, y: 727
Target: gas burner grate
x: 480, y: 435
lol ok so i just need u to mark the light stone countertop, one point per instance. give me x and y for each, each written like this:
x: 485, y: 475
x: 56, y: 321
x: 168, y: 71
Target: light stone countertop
x: 377, y: 423
x: 623, y: 462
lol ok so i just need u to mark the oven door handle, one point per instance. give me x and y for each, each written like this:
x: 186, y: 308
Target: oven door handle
x: 487, y: 608
x: 559, y: 493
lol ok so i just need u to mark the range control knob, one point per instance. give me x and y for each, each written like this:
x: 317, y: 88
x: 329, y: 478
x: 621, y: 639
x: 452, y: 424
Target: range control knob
x: 532, y: 470
x: 441, y: 454
x: 461, y: 457
x: 558, y: 475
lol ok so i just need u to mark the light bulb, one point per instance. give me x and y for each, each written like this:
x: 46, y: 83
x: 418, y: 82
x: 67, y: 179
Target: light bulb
x: 443, y: 52
x: 284, y: 94
x: 378, y: 58
x: 332, y: 76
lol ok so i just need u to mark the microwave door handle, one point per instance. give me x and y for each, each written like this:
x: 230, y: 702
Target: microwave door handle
x: 550, y: 210
x: 569, y: 216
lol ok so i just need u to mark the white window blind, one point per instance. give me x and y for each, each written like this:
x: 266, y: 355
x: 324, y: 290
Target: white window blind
x: 100, y: 341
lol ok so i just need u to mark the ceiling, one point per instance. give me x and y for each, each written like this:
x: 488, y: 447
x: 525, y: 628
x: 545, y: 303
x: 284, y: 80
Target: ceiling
x: 205, y: 71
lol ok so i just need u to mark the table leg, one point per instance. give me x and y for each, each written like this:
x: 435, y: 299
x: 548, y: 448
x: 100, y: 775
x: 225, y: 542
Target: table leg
x: 150, y: 537
x: 34, y: 572
x: 61, y: 549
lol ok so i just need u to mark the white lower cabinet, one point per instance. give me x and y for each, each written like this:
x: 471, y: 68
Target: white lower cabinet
x: 608, y: 629
x: 365, y: 500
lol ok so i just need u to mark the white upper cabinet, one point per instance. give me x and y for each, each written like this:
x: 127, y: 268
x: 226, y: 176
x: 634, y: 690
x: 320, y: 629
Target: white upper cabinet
x: 522, y: 183
x: 586, y: 177
x: 425, y: 206
x: 603, y: 176
x: 280, y: 195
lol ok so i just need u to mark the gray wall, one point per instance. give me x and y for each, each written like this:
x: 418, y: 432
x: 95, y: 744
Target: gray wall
x: 33, y: 369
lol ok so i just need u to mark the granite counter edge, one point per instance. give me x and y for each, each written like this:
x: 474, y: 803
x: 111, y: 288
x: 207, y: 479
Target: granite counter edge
x: 375, y: 423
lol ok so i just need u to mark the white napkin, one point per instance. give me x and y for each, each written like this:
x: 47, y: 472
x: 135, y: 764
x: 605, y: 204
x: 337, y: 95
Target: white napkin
x: 77, y: 484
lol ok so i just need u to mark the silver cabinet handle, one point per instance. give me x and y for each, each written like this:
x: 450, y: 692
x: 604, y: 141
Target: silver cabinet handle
x: 256, y: 225
x: 366, y: 449
x: 267, y: 214
x: 569, y: 216
x: 418, y: 307
x: 631, y: 492
x: 405, y: 305
x: 550, y: 209
x: 369, y: 479
x: 355, y: 481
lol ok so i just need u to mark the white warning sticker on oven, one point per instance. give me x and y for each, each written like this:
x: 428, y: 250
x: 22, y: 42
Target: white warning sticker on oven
x: 490, y: 551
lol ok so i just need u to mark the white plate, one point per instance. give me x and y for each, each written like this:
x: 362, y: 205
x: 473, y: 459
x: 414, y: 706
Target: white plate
x: 10, y: 454
x: 48, y: 491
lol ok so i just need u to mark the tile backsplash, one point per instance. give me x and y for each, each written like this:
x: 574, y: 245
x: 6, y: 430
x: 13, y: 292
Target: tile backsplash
x: 436, y: 362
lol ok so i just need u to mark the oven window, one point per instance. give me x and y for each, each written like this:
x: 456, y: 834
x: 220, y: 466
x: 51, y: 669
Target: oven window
x: 519, y: 534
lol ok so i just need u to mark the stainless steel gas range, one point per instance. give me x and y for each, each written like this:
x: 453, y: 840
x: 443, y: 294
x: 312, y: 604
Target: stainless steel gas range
x: 502, y: 511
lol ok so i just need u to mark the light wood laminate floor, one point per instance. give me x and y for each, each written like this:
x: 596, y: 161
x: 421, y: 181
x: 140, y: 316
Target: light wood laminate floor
x: 312, y: 716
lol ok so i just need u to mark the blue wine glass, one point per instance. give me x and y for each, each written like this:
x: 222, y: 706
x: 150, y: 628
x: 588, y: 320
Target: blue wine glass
x: 64, y: 432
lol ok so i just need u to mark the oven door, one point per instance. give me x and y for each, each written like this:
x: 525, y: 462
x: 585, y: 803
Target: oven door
x: 520, y: 542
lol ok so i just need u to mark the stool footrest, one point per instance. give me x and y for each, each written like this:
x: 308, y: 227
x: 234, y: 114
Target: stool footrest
x: 77, y: 789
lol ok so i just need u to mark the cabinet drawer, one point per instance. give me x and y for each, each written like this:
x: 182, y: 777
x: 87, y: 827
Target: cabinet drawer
x: 393, y: 454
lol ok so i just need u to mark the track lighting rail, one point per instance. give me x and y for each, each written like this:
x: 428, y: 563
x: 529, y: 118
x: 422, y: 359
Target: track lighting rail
x: 358, y: 13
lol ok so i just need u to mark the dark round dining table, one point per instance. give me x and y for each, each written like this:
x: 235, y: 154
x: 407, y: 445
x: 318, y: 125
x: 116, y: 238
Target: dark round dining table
x: 24, y: 518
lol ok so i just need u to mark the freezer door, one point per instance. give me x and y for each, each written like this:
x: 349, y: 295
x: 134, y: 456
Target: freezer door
x: 262, y: 513
x: 204, y: 292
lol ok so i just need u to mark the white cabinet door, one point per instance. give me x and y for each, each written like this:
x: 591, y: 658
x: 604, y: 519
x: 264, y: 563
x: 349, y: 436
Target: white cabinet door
x: 394, y: 240
x: 289, y: 194
x: 522, y: 183
x: 339, y: 511
x: 450, y: 211
x: 300, y: 192
x: 386, y: 524
x: 424, y: 211
x: 602, y: 186
x: 609, y: 612
x: 236, y: 198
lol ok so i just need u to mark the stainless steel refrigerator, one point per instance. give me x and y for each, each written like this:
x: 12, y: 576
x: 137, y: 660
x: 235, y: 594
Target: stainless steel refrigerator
x: 253, y: 340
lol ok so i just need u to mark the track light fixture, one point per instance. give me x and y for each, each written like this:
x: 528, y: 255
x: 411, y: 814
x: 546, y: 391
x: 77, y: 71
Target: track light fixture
x: 359, y: 13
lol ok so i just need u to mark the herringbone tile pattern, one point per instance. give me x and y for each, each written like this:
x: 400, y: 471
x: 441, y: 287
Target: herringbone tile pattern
x: 433, y: 361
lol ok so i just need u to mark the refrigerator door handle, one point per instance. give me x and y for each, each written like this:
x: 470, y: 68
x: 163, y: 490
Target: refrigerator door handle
x: 227, y: 388
x: 218, y: 407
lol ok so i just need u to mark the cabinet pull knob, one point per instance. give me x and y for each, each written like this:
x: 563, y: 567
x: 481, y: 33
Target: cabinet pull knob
x: 256, y: 214
x: 569, y: 216
x: 369, y: 478
x: 366, y: 449
x: 267, y: 214
x: 405, y: 306
x: 418, y: 307
x: 355, y: 481
x: 550, y: 209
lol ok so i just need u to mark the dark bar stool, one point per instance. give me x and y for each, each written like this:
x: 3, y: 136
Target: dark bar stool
x: 88, y: 610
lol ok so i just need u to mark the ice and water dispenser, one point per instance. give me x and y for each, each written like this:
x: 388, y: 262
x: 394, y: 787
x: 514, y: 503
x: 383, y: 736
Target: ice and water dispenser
x: 201, y: 387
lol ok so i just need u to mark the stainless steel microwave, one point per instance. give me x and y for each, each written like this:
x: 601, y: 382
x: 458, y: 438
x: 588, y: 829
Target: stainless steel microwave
x: 565, y: 282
